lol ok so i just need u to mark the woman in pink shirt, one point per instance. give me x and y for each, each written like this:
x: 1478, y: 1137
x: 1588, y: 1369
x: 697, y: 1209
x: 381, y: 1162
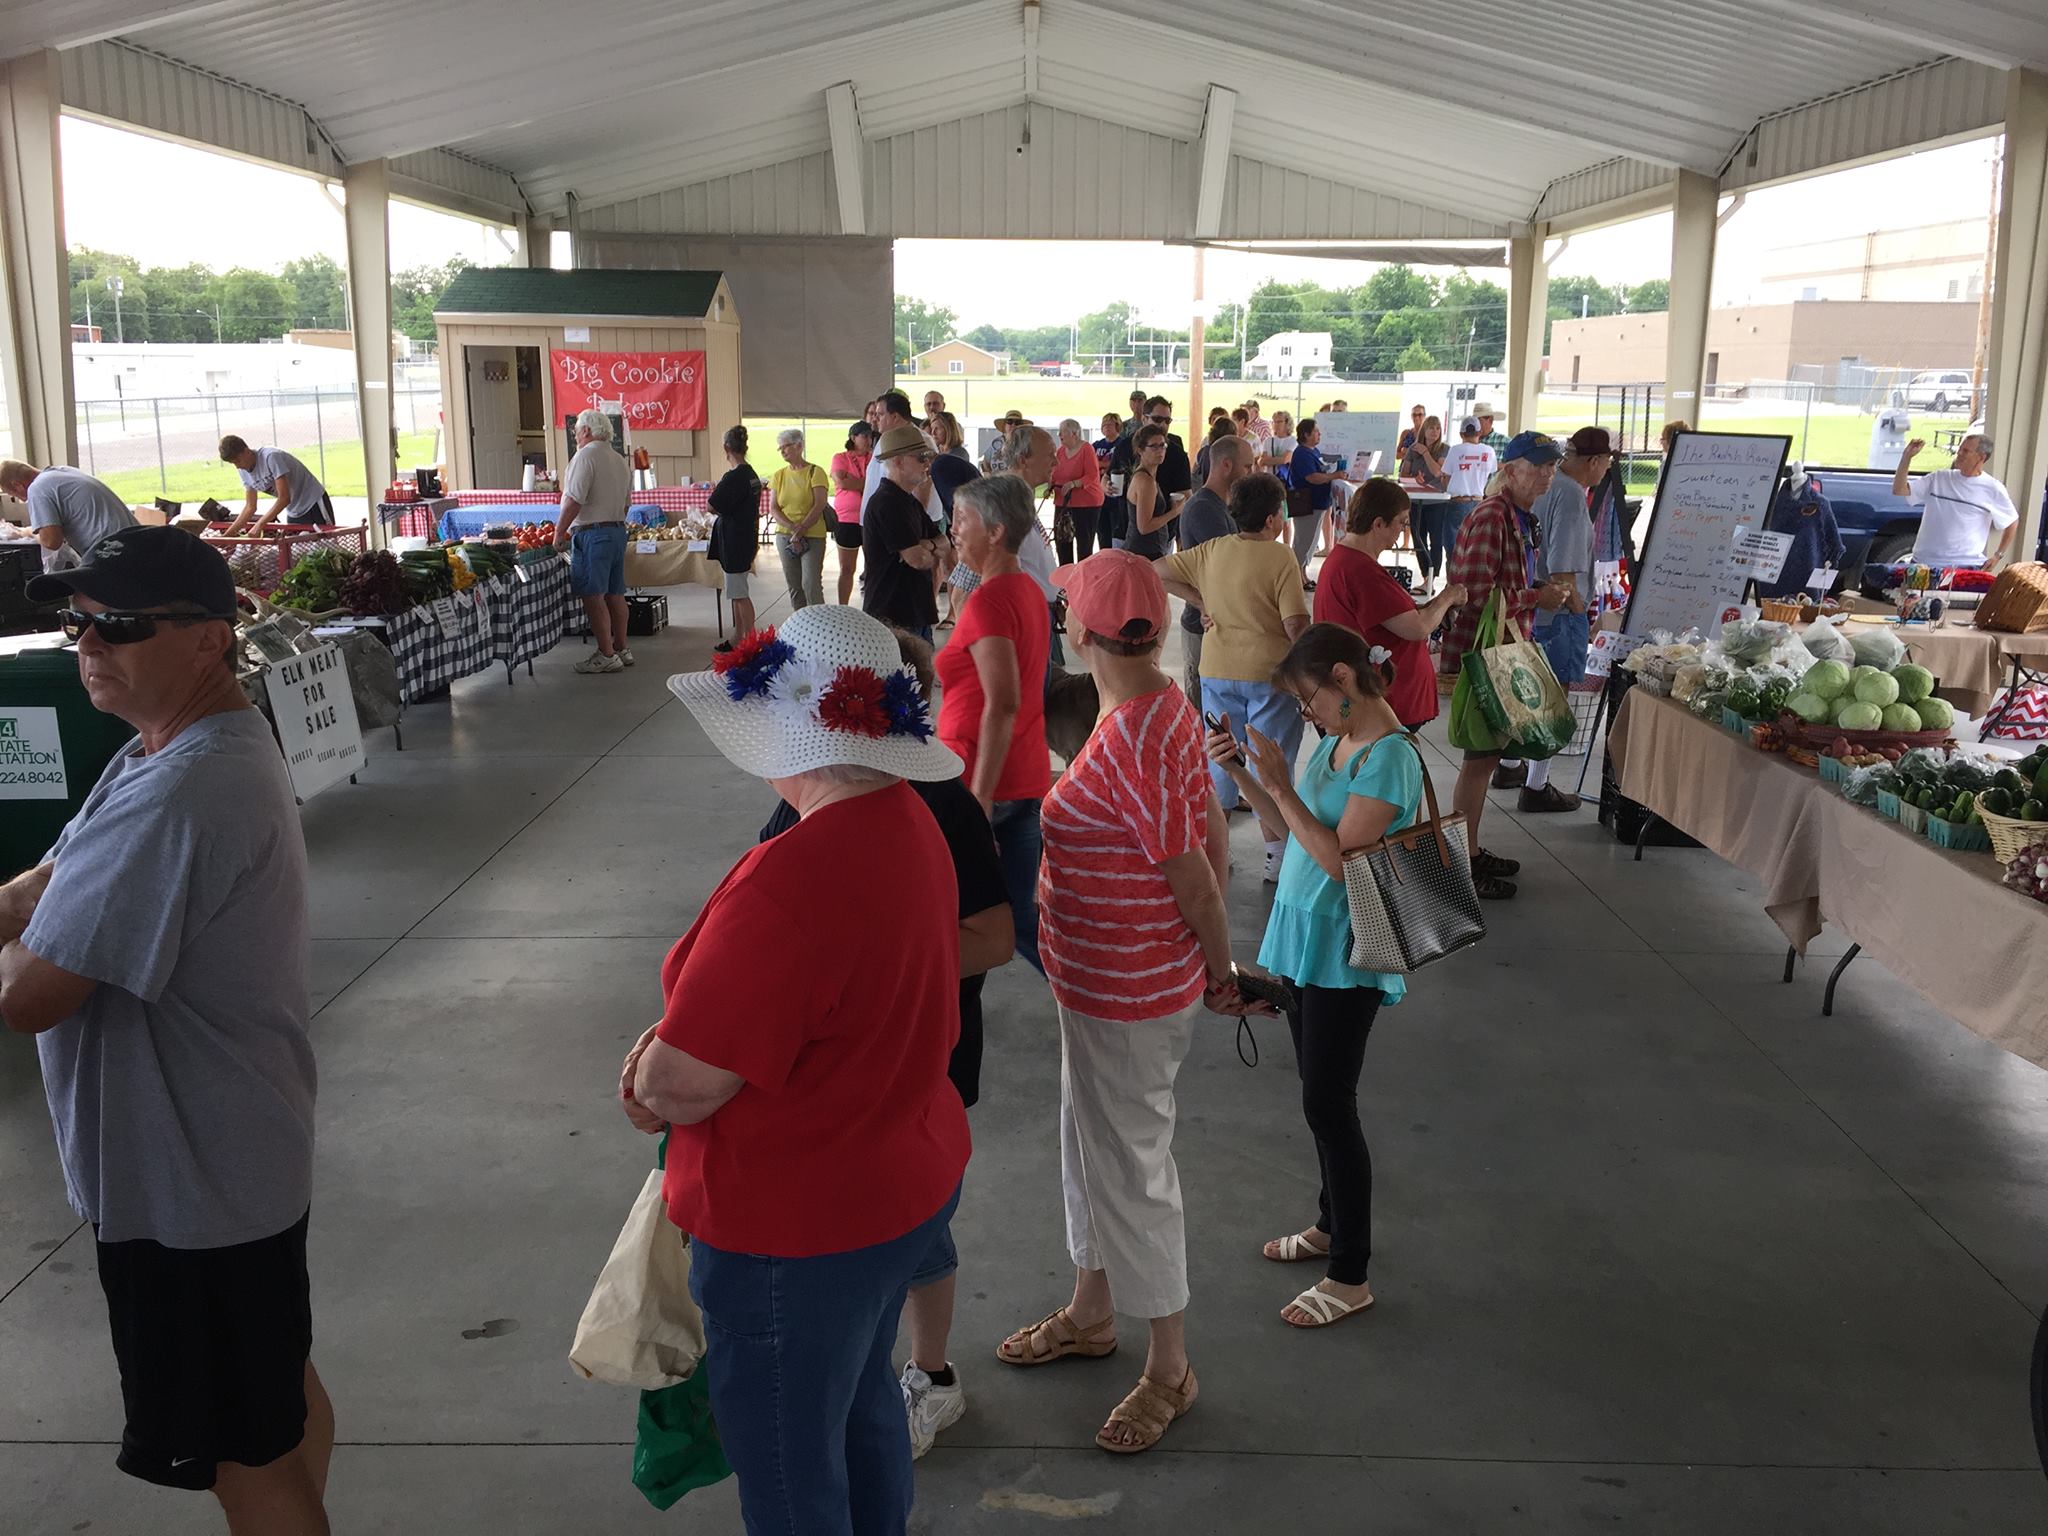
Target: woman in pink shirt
x: 1076, y: 494
x: 849, y: 476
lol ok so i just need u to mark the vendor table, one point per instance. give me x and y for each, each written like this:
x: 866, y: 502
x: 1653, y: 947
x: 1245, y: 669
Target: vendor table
x: 417, y: 512
x: 521, y: 619
x: 671, y: 563
x: 1941, y: 922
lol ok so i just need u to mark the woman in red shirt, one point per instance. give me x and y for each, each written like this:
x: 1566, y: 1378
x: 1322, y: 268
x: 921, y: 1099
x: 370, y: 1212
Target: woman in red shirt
x: 816, y: 1144
x: 1359, y: 593
x: 1076, y: 494
x: 1134, y: 936
x: 992, y: 684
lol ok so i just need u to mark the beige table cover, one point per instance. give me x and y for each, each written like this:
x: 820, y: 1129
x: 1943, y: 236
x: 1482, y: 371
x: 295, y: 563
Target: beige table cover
x: 1941, y: 922
x: 671, y: 564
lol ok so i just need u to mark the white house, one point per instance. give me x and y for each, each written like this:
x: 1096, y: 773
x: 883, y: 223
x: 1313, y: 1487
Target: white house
x: 1290, y: 355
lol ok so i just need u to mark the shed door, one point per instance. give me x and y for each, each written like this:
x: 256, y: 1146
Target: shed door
x: 493, y: 383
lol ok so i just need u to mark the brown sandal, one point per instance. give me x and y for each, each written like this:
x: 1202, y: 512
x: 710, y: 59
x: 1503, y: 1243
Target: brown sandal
x: 1054, y: 1338
x: 1151, y: 1406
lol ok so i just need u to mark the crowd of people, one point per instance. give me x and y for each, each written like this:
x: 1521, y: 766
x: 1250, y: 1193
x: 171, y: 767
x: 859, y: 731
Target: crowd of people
x: 818, y: 1130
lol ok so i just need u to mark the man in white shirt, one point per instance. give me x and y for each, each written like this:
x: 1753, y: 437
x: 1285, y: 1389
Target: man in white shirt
x: 1959, y: 508
x: 892, y: 410
x: 298, y: 494
x: 592, y: 525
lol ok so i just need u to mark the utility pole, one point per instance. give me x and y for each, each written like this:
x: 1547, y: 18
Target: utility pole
x: 1198, y: 354
x: 1471, y: 332
x: 115, y: 285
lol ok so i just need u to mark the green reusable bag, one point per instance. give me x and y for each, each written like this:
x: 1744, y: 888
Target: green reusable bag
x: 675, y: 1446
x: 1518, y: 694
x: 1469, y: 729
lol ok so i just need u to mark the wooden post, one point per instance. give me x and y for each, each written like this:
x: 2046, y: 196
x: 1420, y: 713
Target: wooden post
x: 1198, y: 429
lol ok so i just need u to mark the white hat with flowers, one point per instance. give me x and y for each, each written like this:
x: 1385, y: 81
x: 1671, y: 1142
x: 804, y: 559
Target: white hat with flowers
x: 828, y: 687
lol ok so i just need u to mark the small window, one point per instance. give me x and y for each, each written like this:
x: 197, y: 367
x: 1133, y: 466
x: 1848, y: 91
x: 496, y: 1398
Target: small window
x: 954, y: 365
x: 1954, y: 287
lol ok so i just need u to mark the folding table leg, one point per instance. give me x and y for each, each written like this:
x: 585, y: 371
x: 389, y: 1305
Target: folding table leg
x: 1643, y: 832
x: 1791, y: 959
x: 1827, y: 1001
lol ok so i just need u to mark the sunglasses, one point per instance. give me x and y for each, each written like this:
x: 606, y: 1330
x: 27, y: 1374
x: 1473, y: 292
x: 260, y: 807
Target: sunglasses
x: 1162, y: 421
x: 127, y: 628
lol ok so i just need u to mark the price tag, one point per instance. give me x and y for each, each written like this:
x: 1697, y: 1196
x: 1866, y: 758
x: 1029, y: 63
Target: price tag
x: 646, y: 547
x: 446, y: 616
x: 700, y: 546
x: 524, y: 573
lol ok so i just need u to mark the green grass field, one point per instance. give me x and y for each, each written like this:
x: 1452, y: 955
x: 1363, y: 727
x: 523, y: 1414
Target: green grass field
x: 196, y: 479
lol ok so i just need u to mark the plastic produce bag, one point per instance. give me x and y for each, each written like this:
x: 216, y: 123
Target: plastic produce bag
x: 1877, y: 647
x: 1469, y: 729
x: 1748, y: 641
x: 1825, y: 640
x: 1519, y: 695
x: 675, y: 1444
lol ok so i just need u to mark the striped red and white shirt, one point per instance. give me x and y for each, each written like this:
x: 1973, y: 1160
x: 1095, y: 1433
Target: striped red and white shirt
x: 1112, y: 937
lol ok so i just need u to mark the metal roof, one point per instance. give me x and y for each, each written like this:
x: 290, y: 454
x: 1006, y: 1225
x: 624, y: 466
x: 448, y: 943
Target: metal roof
x: 581, y: 291
x: 1424, y: 118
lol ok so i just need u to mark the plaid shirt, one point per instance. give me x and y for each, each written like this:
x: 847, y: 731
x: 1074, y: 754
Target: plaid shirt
x: 1497, y: 440
x: 1489, y: 554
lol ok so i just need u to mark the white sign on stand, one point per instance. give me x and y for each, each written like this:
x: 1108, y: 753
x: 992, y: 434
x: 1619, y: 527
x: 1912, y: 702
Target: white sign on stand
x: 1762, y: 554
x: 315, y: 715
x: 31, y: 754
x: 1713, y: 484
x: 1354, y: 436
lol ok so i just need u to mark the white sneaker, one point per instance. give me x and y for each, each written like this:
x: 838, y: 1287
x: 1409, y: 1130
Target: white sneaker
x: 1273, y: 858
x: 625, y: 656
x: 929, y: 1407
x: 597, y: 661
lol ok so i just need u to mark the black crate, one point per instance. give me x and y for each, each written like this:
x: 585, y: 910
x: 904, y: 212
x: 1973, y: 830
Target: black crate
x: 646, y: 613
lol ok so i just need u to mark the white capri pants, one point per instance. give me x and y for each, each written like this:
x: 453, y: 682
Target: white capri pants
x: 1116, y: 1156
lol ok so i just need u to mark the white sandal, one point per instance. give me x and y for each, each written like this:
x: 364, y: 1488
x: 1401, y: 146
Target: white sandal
x: 1324, y: 1308
x: 1294, y: 1248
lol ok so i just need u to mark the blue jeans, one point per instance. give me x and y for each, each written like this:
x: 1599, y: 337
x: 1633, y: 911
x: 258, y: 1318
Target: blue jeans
x: 1019, y: 845
x: 1273, y: 712
x: 797, y: 1362
x: 1454, y: 515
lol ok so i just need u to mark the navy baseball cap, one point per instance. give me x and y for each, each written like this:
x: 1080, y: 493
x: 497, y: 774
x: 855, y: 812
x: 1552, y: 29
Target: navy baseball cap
x: 136, y: 568
x: 1536, y: 447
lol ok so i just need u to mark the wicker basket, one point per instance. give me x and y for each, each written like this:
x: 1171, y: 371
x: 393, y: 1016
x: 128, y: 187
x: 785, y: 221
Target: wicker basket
x: 1779, y: 611
x: 2010, y: 837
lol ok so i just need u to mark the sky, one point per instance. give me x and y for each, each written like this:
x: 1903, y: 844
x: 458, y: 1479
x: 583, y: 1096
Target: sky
x: 168, y: 204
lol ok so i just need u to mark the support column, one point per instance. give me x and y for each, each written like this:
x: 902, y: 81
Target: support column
x: 35, y: 328
x: 368, y: 189
x: 1197, y: 353
x: 1528, y: 317
x: 1695, y: 201
x: 533, y: 243
x: 2016, y: 413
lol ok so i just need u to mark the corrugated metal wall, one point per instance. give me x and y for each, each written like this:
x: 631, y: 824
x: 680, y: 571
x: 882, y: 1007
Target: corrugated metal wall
x: 795, y: 197
x: 129, y: 85
x: 1611, y: 181
x: 1270, y: 202
x: 1950, y: 99
x: 485, y: 187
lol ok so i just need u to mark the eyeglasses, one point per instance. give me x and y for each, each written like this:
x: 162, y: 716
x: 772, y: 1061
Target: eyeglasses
x: 126, y: 628
x: 1162, y: 421
x: 1307, y: 706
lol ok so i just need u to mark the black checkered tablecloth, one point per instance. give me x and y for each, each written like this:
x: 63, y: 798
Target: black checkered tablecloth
x: 428, y: 659
x: 528, y: 617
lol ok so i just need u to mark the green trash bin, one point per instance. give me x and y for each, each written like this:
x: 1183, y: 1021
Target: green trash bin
x: 53, y: 747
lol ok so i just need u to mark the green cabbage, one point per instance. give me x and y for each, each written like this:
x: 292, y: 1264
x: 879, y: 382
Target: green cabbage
x: 1935, y: 714
x: 1825, y: 679
x: 1901, y: 717
x: 1874, y: 687
x: 1915, y: 683
x: 1810, y: 707
x: 1861, y: 716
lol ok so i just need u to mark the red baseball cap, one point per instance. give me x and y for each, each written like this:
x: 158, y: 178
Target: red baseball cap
x: 1115, y: 594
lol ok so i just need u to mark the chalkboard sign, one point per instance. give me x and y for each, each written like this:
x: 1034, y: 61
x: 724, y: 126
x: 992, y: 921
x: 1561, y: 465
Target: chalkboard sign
x: 1714, y: 484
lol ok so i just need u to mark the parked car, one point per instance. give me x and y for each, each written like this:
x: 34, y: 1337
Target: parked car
x: 1937, y: 391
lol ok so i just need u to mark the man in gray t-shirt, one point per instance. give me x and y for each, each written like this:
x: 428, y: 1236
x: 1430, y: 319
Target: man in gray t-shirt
x: 68, y: 510
x: 159, y: 954
x: 1205, y: 515
x: 297, y: 494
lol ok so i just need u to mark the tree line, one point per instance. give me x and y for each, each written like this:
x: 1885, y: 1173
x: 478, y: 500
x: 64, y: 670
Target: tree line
x: 1397, y: 321
x: 194, y: 303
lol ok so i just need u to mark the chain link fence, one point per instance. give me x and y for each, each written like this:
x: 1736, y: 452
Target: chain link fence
x: 167, y: 445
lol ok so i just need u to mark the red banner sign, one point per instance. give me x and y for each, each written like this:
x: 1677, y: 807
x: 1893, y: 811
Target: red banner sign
x: 660, y: 391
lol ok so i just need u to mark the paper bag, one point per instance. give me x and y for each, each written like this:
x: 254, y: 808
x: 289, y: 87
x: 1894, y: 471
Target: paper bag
x: 640, y: 1327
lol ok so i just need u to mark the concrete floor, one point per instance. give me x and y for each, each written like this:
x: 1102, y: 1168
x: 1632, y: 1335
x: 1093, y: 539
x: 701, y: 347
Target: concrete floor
x: 1659, y: 1249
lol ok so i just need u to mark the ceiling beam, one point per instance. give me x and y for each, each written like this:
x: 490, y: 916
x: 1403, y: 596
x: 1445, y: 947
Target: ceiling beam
x: 1030, y: 50
x: 849, y: 157
x: 1214, y: 163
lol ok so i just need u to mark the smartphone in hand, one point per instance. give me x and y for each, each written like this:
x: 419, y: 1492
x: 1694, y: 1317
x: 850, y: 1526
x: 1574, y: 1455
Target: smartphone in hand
x: 1216, y: 722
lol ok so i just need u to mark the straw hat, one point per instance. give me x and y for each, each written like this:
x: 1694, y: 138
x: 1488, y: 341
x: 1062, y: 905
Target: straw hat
x: 901, y: 440
x: 826, y: 688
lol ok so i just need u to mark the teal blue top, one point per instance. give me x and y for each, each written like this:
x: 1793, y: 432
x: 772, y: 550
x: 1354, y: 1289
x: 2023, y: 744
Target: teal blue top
x: 1308, y: 936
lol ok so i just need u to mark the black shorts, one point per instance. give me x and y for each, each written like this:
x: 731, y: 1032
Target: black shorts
x: 212, y: 1345
x: 846, y: 535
